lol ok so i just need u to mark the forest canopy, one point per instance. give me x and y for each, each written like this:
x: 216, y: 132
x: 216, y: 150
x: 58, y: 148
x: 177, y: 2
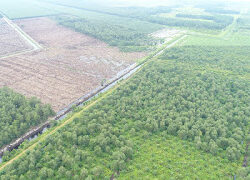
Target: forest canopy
x: 18, y: 114
x: 187, y: 96
x: 128, y: 37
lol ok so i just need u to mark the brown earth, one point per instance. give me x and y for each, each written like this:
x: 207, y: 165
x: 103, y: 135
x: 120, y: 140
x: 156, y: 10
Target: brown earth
x: 70, y: 65
x: 10, y: 40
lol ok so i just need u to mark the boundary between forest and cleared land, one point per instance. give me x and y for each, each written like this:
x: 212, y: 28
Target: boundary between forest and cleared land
x: 104, y: 95
x: 35, y: 45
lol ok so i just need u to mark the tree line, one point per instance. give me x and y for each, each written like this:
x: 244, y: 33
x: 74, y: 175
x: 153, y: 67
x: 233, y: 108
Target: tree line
x: 168, y: 21
x: 188, y: 96
x: 225, y: 19
x: 128, y: 37
x: 244, y: 23
x: 18, y: 114
x: 221, y: 11
x: 152, y: 15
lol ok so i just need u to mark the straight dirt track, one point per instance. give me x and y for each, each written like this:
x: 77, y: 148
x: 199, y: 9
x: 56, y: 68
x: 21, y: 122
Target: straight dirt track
x: 10, y: 40
x: 70, y: 65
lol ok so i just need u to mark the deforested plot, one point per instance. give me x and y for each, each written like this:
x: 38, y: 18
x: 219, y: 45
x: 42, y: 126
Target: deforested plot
x: 70, y: 65
x: 10, y: 40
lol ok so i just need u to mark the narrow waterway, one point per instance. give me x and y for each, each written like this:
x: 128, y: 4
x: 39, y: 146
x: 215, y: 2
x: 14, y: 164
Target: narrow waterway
x: 126, y: 73
x: 114, y: 81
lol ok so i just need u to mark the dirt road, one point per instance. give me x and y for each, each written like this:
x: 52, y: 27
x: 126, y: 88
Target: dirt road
x: 24, y: 36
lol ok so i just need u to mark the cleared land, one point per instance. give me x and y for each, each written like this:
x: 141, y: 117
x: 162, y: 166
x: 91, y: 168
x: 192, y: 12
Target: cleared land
x: 10, y: 40
x: 71, y: 65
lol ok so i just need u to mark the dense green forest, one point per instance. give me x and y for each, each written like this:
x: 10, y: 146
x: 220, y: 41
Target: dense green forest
x: 183, y: 115
x: 183, y: 94
x: 218, y: 7
x: 129, y: 34
x: 244, y: 22
x: 162, y: 156
x: 216, y: 18
x: 229, y: 60
x: 18, y: 114
x: 221, y: 11
x: 127, y: 38
x: 195, y: 16
x: 149, y: 15
x: 198, y: 24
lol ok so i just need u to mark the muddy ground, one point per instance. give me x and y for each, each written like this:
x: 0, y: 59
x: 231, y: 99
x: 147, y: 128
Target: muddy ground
x: 70, y: 65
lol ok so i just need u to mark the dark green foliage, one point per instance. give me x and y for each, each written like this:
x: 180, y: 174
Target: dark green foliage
x: 221, y: 11
x: 228, y: 59
x: 182, y: 95
x: 217, y: 7
x: 216, y: 25
x: 143, y: 14
x: 18, y: 114
x: 243, y: 173
x: 244, y: 23
x: 151, y: 15
x: 192, y: 16
x: 127, y: 38
x: 162, y: 156
x: 216, y: 18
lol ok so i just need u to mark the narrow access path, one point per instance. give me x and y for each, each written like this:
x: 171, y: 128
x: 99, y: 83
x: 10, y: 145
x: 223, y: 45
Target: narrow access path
x: 24, y: 35
x: 35, y: 45
x: 230, y: 28
x: 43, y: 137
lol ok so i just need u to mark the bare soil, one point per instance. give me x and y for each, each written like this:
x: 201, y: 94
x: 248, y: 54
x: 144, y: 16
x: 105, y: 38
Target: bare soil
x: 10, y: 40
x: 167, y: 34
x: 70, y: 65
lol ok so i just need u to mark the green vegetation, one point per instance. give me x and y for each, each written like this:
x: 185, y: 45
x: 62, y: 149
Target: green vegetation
x: 196, y: 24
x: 226, y: 20
x: 167, y: 157
x: 219, y: 7
x: 127, y: 34
x: 183, y: 115
x: 232, y: 61
x: 221, y: 11
x: 152, y: 15
x: 237, y: 34
x: 237, y: 39
x: 195, y: 16
x: 19, y: 114
x: 187, y: 96
x: 244, y: 23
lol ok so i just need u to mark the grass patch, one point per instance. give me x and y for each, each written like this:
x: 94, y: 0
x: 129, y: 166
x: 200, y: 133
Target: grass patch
x: 167, y: 157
